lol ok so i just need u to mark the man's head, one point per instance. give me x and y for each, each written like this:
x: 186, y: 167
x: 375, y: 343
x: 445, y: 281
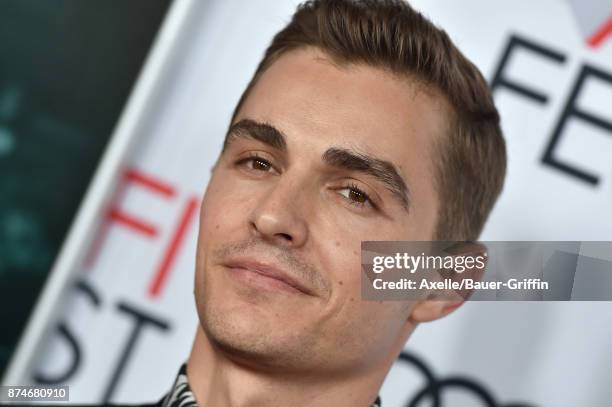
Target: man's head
x: 362, y: 122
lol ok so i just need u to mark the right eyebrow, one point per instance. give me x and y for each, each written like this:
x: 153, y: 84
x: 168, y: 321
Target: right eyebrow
x: 383, y: 171
x: 262, y: 132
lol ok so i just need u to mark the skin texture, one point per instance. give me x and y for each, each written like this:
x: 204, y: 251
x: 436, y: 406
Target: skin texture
x: 258, y: 344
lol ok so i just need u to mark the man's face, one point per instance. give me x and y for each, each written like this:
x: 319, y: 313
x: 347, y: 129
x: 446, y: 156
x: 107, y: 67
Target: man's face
x: 319, y: 158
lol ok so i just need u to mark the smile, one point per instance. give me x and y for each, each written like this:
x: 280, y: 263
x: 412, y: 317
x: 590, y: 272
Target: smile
x: 266, y: 277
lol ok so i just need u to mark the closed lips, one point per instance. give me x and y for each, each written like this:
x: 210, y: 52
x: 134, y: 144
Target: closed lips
x: 270, y: 271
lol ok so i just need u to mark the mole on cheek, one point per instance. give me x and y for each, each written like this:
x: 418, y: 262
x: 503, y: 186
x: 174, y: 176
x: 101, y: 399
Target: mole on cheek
x: 216, y: 226
x: 340, y: 282
x: 337, y: 244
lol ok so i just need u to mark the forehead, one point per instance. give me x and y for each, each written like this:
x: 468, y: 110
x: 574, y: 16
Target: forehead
x: 317, y: 103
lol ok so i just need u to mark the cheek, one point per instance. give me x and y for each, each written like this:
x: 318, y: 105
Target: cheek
x: 209, y: 216
x: 342, y: 252
x: 217, y: 220
x: 223, y: 207
x: 367, y: 328
x: 338, y: 247
x: 337, y: 240
x: 342, y: 249
x: 349, y: 269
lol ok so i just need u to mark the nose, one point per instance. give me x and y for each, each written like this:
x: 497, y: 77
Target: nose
x: 279, y: 218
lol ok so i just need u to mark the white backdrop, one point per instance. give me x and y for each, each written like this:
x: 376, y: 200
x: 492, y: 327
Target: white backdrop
x: 131, y: 319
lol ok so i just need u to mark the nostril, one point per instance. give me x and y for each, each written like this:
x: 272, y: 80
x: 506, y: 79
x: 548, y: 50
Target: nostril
x: 285, y: 236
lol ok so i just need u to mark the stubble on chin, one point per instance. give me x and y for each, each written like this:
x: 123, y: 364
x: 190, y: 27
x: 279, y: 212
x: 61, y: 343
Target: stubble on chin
x: 253, y: 345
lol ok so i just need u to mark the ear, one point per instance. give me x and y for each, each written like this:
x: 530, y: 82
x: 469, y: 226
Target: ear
x: 430, y: 310
x: 442, y: 302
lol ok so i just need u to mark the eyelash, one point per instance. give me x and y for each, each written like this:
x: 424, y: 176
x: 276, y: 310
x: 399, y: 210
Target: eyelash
x: 254, y: 157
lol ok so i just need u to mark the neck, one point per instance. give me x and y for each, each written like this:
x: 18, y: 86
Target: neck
x: 218, y: 380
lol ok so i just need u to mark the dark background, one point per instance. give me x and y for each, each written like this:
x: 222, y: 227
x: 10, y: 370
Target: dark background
x: 66, y: 71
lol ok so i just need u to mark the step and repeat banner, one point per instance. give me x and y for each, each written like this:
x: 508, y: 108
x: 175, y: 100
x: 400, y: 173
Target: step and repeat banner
x: 130, y: 318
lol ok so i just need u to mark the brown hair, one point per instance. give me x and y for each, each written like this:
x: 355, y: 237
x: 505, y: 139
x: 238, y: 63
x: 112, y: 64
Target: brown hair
x: 391, y: 35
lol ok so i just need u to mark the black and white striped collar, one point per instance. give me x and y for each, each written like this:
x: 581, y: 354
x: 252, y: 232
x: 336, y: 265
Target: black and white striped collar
x: 181, y: 396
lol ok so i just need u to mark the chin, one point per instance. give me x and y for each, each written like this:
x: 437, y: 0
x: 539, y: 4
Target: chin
x: 256, y: 342
x: 242, y: 338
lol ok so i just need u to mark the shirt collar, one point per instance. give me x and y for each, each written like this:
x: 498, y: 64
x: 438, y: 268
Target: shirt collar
x: 180, y: 395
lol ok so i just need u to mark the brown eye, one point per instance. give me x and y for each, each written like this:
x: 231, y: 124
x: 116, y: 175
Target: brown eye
x: 355, y: 196
x: 260, y: 164
x: 255, y: 164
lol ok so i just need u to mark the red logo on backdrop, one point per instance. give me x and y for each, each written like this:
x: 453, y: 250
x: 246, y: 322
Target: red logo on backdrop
x: 603, y: 33
x: 162, y: 190
x: 143, y: 321
x: 594, y: 19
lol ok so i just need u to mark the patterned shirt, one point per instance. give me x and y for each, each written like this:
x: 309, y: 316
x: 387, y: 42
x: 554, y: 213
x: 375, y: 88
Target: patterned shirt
x: 181, y: 396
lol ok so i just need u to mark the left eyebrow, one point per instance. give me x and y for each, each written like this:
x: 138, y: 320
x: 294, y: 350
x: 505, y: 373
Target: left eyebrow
x: 384, y: 171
